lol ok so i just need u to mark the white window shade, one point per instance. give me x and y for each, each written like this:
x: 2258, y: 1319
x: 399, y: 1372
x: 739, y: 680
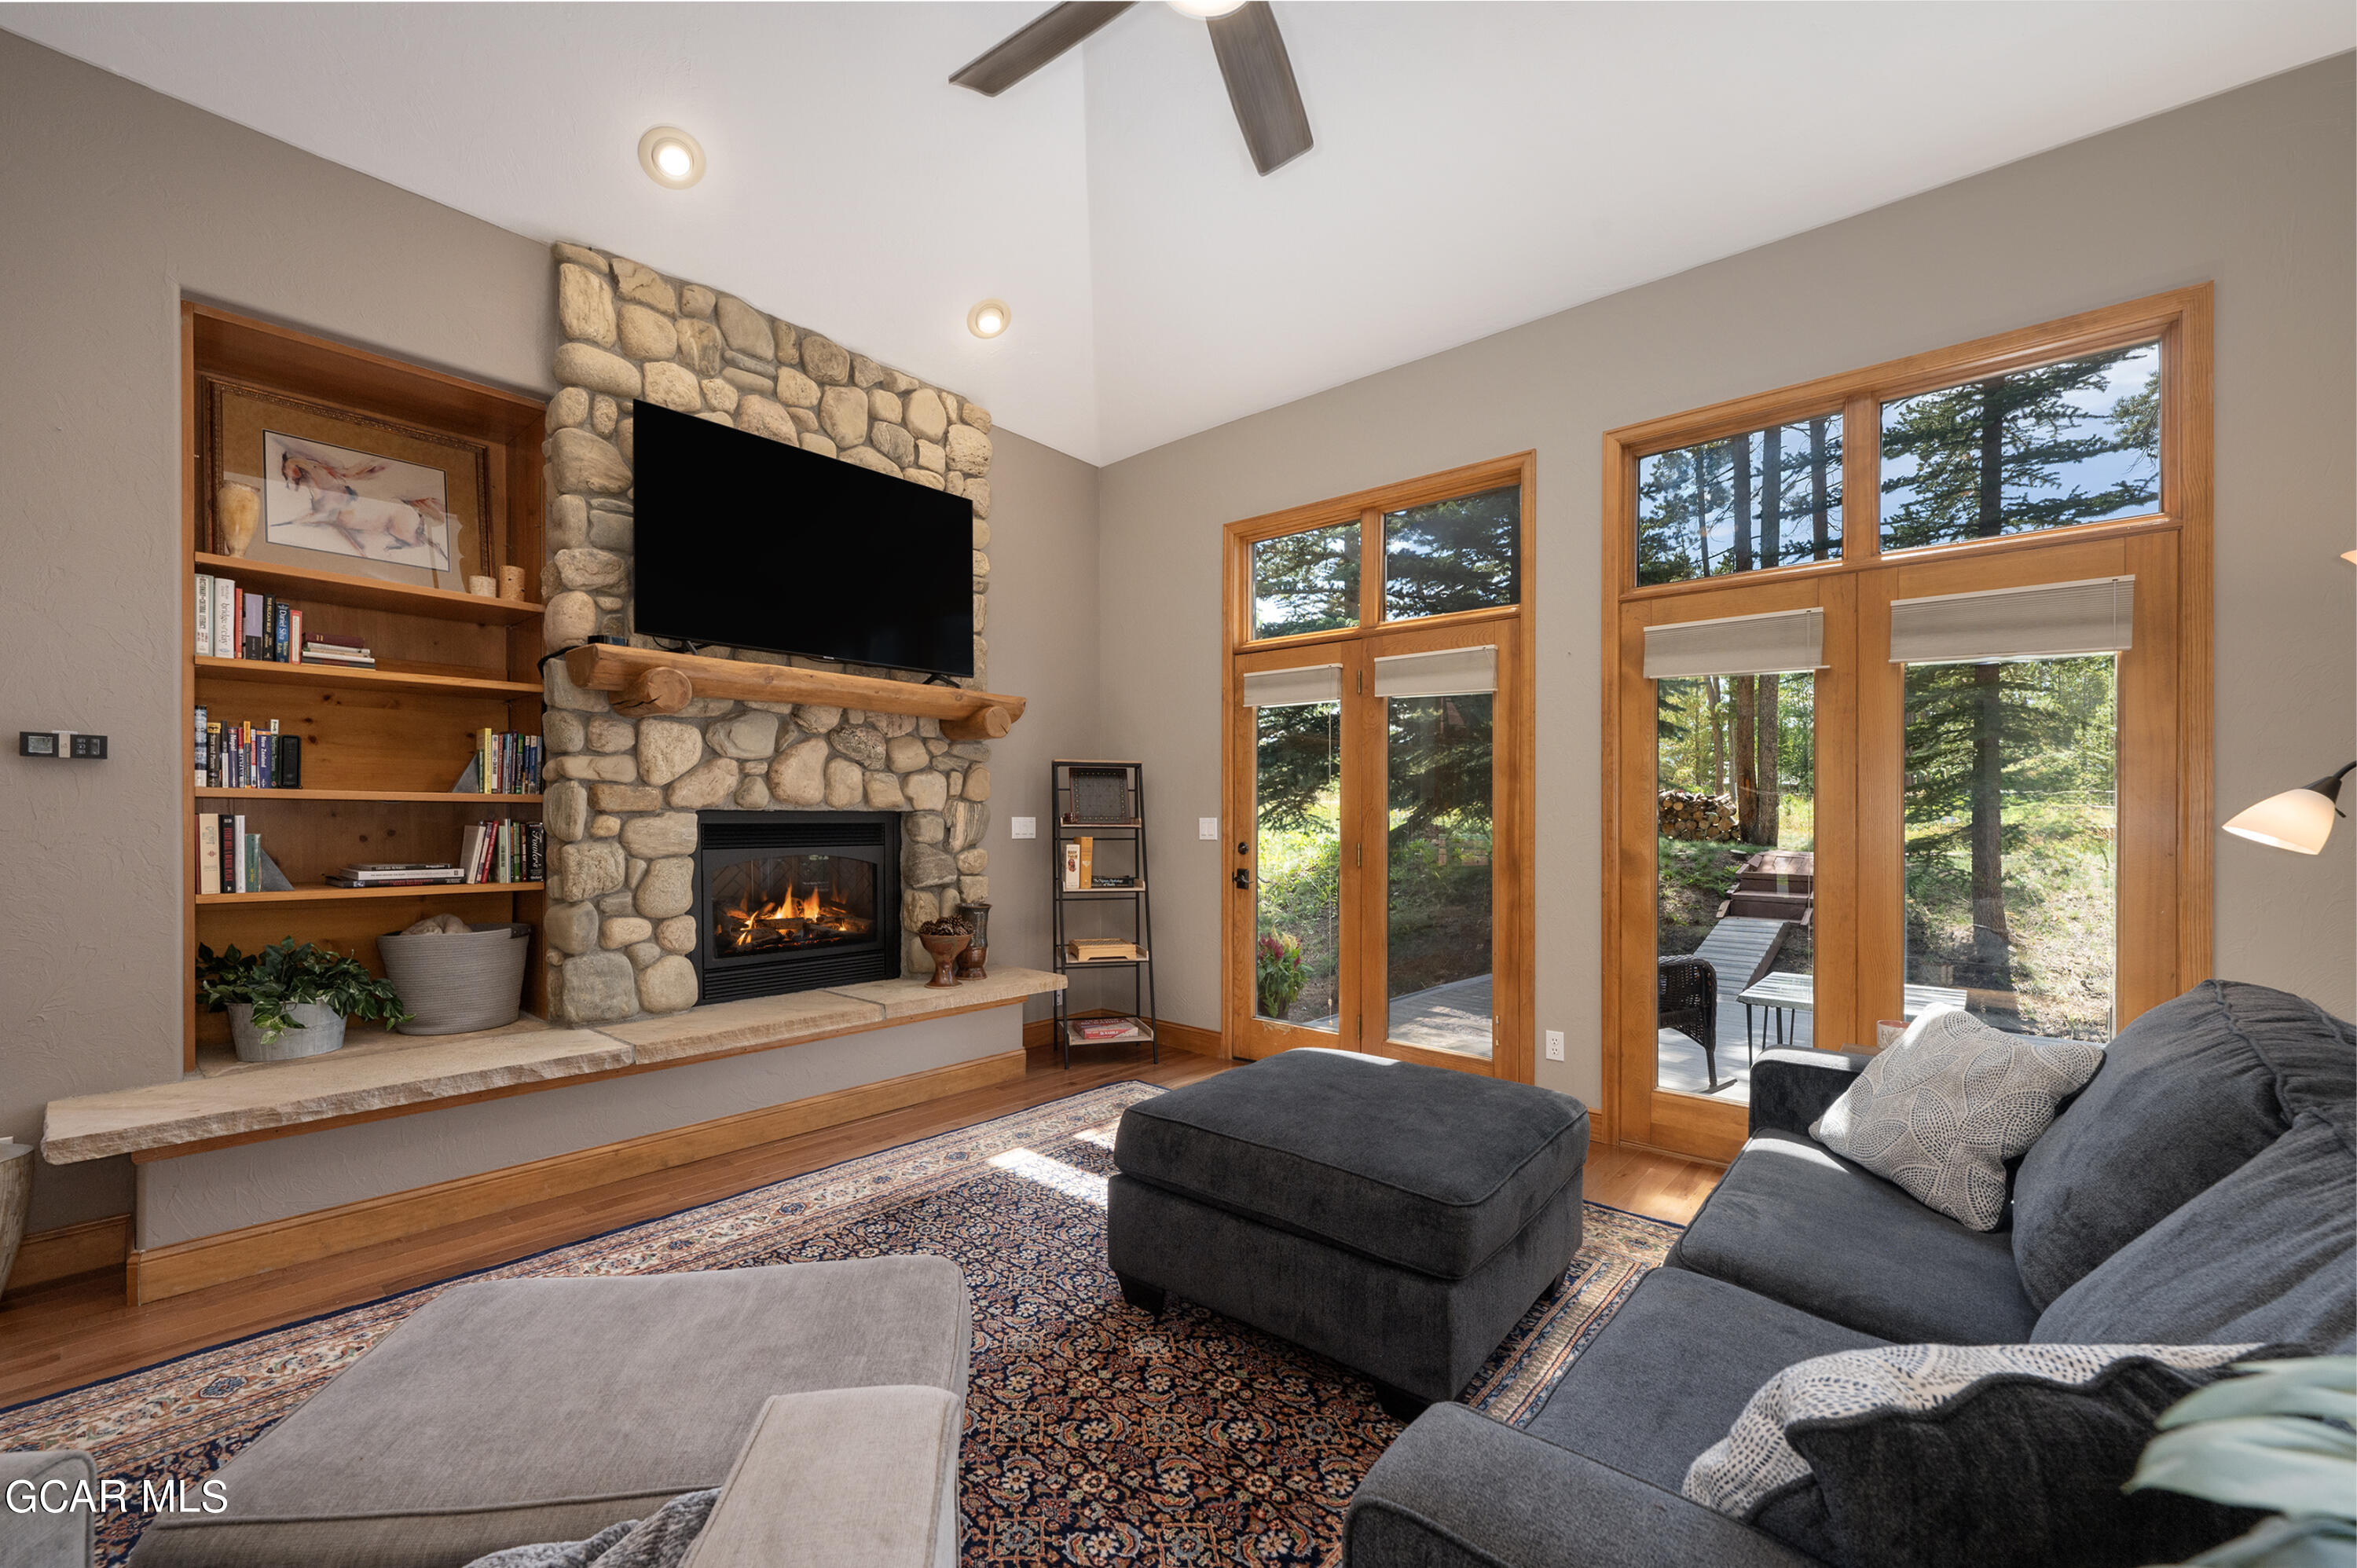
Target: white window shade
x: 1449, y: 673
x: 2093, y: 616
x: 1291, y: 688
x: 1780, y: 644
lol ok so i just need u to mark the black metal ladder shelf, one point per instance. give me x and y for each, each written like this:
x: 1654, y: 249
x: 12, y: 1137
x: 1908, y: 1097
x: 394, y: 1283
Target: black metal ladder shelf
x: 1105, y: 801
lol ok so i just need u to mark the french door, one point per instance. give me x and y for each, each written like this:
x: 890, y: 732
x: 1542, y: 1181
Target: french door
x: 1907, y: 707
x: 1378, y: 771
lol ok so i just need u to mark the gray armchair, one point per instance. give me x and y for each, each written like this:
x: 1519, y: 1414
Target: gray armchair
x: 43, y: 1537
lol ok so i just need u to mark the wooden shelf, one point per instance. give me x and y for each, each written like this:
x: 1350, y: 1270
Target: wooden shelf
x: 367, y: 592
x: 1076, y: 892
x: 405, y: 797
x: 318, y: 895
x: 650, y: 681
x: 268, y: 673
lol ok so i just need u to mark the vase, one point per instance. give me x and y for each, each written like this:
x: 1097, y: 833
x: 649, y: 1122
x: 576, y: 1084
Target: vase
x: 1276, y: 1005
x: 318, y: 1029
x: 944, y: 951
x: 238, y: 509
x: 971, y: 962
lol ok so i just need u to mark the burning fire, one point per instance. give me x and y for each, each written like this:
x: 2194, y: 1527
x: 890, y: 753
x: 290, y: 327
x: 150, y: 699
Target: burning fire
x: 796, y: 916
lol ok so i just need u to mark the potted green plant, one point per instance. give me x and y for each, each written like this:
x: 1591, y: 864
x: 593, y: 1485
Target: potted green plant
x: 1280, y: 973
x: 290, y: 999
x: 2279, y: 1438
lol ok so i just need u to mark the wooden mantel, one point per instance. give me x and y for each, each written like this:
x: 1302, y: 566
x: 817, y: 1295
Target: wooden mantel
x: 649, y: 681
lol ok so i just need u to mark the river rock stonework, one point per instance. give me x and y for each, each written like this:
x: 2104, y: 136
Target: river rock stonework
x: 622, y: 793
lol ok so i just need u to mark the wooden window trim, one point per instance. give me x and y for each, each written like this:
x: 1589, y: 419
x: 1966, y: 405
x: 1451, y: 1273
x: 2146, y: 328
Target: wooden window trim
x: 1513, y: 806
x: 2176, y: 542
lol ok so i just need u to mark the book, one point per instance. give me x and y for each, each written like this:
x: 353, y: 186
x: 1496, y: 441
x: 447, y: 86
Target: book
x: 1102, y: 1029
x: 1072, y: 867
x: 204, y: 589
x: 241, y: 845
x: 209, y: 862
x: 295, y: 638
x: 224, y: 611
x: 335, y: 880
x: 197, y: 761
x: 282, y: 631
x: 1088, y: 861
x: 1095, y: 949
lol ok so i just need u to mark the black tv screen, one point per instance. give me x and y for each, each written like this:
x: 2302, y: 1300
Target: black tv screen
x: 744, y: 541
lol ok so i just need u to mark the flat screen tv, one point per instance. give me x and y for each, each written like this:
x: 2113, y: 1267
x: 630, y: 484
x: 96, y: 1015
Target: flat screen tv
x: 743, y: 542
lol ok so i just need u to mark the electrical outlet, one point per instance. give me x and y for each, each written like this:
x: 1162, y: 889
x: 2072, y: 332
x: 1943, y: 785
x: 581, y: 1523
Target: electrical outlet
x: 1207, y: 828
x: 1023, y: 827
x: 1554, y: 1045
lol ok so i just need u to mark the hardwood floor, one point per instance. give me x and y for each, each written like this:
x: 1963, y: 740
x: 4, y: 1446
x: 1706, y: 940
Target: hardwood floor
x: 69, y: 1332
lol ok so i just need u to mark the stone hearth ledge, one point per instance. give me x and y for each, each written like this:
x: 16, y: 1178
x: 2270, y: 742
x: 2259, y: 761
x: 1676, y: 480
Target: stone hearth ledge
x: 319, y: 1088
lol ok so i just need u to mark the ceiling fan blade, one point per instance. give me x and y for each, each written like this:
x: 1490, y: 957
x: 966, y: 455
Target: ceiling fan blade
x: 1260, y: 85
x: 1036, y: 43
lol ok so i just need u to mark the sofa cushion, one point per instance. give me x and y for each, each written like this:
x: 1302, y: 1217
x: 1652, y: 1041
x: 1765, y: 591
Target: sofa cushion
x: 1667, y: 1377
x: 2269, y: 1253
x: 1942, y: 1111
x: 1968, y: 1457
x: 2187, y: 1093
x: 1423, y: 1168
x: 1798, y: 1223
x: 514, y: 1410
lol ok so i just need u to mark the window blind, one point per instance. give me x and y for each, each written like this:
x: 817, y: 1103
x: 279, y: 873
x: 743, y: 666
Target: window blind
x: 1783, y: 643
x: 1288, y: 688
x: 1448, y: 673
x: 2096, y: 615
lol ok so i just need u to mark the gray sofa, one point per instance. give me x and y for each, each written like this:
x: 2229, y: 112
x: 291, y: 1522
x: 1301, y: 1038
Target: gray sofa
x: 2196, y: 1192
x: 823, y: 1399
x: 45, y: 1520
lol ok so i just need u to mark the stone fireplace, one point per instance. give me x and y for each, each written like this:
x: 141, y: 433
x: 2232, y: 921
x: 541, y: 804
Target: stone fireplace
x: 630, y: 923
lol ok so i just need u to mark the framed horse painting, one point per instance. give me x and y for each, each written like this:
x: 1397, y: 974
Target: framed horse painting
x: 345, y: 491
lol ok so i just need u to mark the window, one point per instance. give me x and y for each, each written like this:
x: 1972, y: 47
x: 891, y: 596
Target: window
x: 2076, y: 441
x: 1773, y: 498
x: 1377, y: 771
x: 1306, y: 582
x: 1463, y: 554
x: 1915, y: 719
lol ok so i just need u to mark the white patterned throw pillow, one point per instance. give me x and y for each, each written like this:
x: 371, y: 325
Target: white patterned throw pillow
x: 1756, y: 1461
x: 1942, y: 1111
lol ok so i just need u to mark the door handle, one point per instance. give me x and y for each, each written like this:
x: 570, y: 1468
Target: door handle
x: 1244, y: 878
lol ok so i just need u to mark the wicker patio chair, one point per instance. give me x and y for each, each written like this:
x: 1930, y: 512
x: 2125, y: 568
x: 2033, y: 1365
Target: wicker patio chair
x: 1689, y: 1003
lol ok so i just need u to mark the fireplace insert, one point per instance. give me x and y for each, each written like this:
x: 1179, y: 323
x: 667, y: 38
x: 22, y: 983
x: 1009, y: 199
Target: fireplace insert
x: 794, y: 900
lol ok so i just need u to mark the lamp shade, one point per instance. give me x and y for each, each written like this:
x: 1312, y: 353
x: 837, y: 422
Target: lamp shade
x: 2299, y: 820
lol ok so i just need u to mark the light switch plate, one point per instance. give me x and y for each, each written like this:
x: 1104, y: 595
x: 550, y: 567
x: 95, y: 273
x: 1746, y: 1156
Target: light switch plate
x: 1023, y: 827
x: 1208, y: 828
x: 1554, y: 1045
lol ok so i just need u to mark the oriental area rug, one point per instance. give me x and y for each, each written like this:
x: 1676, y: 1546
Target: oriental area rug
x: 1094, y: 1432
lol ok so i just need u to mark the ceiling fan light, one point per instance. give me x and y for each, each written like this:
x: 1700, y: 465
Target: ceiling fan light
x: 989, y: 318
x: 1207, y: 10
x: 670, y: 157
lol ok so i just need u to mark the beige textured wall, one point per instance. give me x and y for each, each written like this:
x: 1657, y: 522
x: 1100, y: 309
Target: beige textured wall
x: 114, y: 201
x: 2251, y: 189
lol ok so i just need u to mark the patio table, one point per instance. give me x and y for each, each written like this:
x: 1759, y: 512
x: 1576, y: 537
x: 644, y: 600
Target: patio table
x: 1782, y: 993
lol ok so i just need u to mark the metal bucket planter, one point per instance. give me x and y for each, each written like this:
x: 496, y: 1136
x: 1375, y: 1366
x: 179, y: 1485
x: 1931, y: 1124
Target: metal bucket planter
x: 453, y: 981
x: 318, y: 1029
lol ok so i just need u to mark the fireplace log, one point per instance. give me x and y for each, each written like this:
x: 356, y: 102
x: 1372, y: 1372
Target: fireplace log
x: 656, y: 690
x: 988, y: 723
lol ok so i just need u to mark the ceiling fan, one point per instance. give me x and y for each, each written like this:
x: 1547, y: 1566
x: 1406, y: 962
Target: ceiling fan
x: 1261, y: 87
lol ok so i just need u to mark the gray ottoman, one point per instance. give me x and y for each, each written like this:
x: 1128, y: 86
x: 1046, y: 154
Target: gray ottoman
x: 1397, y: 1217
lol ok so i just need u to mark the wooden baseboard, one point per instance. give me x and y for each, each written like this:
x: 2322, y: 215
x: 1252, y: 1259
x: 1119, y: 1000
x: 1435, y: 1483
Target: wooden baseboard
x: 153, y: 1273
x: 1040, y: 1033
x: 70, y: 1249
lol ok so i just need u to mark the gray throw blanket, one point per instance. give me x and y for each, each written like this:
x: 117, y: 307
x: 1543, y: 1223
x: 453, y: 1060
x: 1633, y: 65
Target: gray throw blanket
x: 659, y: 1540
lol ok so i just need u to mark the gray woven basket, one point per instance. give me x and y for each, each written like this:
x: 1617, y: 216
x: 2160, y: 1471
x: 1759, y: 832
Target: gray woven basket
x: 452, y: 984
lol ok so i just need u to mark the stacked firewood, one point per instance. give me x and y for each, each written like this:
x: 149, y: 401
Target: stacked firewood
x: 1705, y: 818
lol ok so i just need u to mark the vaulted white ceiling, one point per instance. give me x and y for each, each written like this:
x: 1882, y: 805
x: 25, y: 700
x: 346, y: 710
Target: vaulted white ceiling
x: 1478, y: 165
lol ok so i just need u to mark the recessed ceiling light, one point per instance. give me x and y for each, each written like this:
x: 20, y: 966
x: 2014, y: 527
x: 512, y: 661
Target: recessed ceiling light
x: 671, y: 157
x: 1206, y: 10
x: 989, y: 318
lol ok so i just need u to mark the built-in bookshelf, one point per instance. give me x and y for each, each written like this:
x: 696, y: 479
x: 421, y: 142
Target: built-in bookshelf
x: 382, y: 748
